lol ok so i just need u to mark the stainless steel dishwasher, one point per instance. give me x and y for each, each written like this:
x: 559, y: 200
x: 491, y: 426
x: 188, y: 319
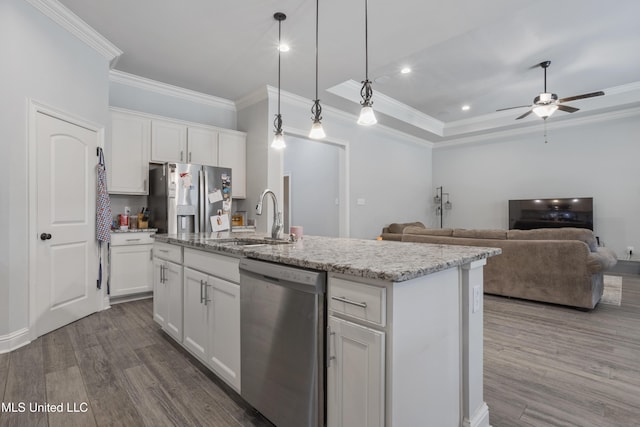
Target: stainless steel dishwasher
x: 282, y: 323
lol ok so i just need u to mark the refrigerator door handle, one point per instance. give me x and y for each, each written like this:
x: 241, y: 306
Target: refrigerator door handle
x: 202, y: 200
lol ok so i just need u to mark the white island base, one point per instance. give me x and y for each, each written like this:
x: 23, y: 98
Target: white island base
x: 406, y: 353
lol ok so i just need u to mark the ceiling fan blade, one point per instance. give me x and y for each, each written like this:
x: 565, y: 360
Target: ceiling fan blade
x: 524, y: 115
x: 511, y: 108
x: 567, y: 108
x: 586, y: 95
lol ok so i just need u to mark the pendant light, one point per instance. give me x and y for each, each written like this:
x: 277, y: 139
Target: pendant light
x: 367, y: 117
x: 278, y: 139
x: 317, y: 132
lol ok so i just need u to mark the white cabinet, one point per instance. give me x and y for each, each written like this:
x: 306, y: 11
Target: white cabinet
x: 195, y: 313
x: 127, y: 153
x: 212, y: 312
x: 168, y: 141
x: 232, y: 153
x: 131, y: 263
x: 355, y: 375
x: 167, y: 289
x: 178, y: 142
x: 202, y: 146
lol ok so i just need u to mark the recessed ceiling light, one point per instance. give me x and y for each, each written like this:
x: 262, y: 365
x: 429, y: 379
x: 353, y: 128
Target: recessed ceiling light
x: 283, y: 47
x: 405, y: 70
x: 466, y: 108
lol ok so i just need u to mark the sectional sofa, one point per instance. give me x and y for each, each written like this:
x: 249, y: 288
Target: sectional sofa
x: 555, y: 265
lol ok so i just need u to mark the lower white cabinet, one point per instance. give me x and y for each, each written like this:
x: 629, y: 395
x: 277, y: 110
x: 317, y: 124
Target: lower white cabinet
x: 130, y: 263
x: 167, y: 292
x: 212, y: 314
x: 355, y: 375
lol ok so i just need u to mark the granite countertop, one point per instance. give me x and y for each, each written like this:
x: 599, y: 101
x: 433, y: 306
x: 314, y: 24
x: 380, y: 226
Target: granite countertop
x: 371, y: 259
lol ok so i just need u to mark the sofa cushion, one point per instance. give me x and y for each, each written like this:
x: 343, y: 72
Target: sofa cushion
x: 428, y: 231
x: 563, y: 233
x: 480, y: 234
x: 398, y: 228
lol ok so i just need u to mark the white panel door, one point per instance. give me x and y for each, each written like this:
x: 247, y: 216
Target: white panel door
x: 224, y: 329
x: 355, y: 375
x: 66, y: 255
x: 195, y: 313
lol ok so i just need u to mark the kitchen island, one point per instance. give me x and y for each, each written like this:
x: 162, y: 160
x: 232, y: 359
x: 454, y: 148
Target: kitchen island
x: 409, y: 351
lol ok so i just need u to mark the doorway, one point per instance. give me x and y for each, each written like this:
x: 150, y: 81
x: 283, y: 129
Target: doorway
x: 314, y: 184
x: 64, y: 253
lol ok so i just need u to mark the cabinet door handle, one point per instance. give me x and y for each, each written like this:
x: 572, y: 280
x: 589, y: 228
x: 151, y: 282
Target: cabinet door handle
x: 166, y: 251
x: 201, y: 291
x: 132, y: 240
x: 352, y: 302
x: 144, y: 186
x: 189, y: 156
x: 206, y: 293
x: 181, y: 155
x: 161, y: 273
x: 329, y: 336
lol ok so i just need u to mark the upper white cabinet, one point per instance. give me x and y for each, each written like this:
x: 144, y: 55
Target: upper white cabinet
x: 128, y: 154
x: 168, y: 142
x: 202, y: 146
x: 232, y: 153
x: 177, y: 142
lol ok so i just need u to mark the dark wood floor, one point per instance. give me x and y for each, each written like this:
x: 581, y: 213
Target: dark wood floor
x: 544, y: 366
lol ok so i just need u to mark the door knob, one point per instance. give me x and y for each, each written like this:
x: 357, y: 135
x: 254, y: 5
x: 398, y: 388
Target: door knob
x: 45, y: 236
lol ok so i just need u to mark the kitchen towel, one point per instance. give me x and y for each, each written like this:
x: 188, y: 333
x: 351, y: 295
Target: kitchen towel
x: 103, y: 211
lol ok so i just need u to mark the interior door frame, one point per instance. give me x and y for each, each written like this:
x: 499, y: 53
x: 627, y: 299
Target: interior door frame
x: 35, y: 108
x: 343, y: 176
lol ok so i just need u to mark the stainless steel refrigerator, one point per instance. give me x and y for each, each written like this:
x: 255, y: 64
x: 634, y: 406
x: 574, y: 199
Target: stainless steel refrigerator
x: 188, y: 198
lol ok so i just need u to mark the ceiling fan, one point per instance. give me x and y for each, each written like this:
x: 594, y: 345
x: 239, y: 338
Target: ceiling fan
x: 545, y: 104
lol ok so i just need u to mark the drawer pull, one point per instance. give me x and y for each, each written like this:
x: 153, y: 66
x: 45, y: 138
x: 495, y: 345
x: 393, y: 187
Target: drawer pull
x: 348, y: 301
x: 163, y: 250
x: 133, y: 240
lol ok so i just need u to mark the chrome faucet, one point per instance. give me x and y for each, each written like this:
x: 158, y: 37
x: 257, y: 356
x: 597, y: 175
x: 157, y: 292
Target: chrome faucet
x: 277, y: 226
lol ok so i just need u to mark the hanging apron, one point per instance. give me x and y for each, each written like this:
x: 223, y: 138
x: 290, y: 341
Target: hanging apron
x: 103, y: 212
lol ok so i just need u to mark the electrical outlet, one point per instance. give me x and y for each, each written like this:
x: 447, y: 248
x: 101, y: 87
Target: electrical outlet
x: 630, y: 250
x: 477, y: 295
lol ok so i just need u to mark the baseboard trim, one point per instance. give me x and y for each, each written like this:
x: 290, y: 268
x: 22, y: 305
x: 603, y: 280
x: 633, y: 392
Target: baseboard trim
x: 479, y: 419
x: 14, y: 340
x: 624, y: 266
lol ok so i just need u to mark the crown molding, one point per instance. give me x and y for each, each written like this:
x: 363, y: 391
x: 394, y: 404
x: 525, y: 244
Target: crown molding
x: 132, y: 80
x: 595, y: 118
x: 252, y: 98
x: 78, y: 28
x: 350, y: 90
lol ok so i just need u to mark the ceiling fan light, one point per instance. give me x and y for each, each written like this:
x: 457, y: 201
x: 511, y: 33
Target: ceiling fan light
x: 367, y: 116
x: 317, y: 132
x: 544, y: 111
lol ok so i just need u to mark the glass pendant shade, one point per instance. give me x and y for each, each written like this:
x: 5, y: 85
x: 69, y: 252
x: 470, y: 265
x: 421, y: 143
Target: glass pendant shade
x: 278, y: 141
x: 544, y: 111
x: 317, y: 132
x: 367, y: 116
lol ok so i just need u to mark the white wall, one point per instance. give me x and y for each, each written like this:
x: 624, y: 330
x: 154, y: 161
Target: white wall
x: 593, y: 157
x: 314, y: 169
x: 45, y: 63
x: 170, y: 103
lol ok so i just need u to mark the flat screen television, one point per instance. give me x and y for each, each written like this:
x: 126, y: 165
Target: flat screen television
x: 551, y: 213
